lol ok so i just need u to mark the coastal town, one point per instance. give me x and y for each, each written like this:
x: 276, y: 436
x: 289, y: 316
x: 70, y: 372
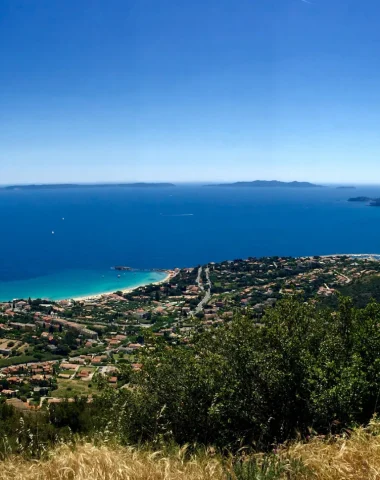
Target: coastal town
x: 55, y: 351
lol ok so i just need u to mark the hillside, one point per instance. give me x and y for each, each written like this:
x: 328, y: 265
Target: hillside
x: 278, y: 358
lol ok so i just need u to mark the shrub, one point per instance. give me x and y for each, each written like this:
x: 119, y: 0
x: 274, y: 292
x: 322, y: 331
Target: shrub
x: 243, y: 384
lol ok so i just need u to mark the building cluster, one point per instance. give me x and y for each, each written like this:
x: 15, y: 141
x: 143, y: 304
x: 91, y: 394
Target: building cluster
x: 53, y: 350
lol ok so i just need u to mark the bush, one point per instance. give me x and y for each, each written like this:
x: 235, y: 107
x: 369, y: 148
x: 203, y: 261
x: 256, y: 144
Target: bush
x: 239, y: 385
x: 242, y: 384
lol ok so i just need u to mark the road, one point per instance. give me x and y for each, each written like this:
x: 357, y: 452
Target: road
x: 342, y: 275
x: 207, y: 297
x: 198, y: 280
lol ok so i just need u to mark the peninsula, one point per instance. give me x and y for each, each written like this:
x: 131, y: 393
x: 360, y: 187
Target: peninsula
x: 267, y: 183
x: 57, y: 186
x: 372, y: 202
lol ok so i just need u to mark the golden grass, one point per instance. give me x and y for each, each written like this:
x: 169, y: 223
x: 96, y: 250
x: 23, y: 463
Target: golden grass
x: 352, y: 457
x: 87, y: 462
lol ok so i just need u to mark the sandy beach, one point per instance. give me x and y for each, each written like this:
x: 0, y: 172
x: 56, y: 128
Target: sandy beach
x: 169, y: 276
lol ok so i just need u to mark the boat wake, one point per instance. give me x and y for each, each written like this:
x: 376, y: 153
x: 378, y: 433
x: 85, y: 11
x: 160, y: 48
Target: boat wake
x: 178, y: 215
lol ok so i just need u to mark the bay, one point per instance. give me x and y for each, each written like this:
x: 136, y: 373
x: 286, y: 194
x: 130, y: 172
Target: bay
x: 165, y: 228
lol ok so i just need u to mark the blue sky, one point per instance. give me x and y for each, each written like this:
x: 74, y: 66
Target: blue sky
x: 123, y: 90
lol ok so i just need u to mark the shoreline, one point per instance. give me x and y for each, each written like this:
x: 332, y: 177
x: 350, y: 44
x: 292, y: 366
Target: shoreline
x: 351, y: 255
x: 169, y: 275
x: 172, y: 273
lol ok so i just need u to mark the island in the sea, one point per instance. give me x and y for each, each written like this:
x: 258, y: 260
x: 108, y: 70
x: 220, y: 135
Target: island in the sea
x: 360, y: 199
x: 372, y: 202
x: 346, y: 187
x: 267, y: 183
x: 56, y: 186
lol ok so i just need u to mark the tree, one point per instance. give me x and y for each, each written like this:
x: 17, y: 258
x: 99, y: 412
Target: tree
x: 243, y: 384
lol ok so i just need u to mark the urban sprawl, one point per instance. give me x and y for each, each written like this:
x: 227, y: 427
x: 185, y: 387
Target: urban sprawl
x: 55, y: 351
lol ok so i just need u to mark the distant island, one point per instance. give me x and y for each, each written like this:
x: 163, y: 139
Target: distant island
x: 267, y: 183
x: 57, y: 186
x: 343, y: 187
x: 372, y: 202
x: 360, y: 199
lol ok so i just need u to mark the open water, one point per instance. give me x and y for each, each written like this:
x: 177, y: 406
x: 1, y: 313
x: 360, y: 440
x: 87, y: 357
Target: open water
x: 147, y: 228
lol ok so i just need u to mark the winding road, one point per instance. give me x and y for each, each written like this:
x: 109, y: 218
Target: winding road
x: 207, y: 297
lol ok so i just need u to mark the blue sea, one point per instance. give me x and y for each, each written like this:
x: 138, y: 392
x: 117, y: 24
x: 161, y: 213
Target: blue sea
x: 149, y: 228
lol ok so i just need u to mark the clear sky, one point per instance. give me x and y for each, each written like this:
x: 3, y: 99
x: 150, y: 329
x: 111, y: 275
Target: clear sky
x: 155, y: 90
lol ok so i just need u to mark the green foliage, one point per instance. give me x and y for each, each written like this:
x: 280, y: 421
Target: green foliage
x: 6, y: 362
x: 29, y: 434
x: 269, y: 467
x: 243, y: 384
x: 75, y: 416
x: 361, y: 291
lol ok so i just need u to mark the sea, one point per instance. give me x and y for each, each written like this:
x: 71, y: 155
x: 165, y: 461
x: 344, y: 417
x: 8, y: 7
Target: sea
x: 64, y: 243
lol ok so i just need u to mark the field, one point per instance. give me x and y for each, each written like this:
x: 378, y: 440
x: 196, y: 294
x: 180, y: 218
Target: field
x: 71, y: 388
x: 67, y: 372
x: 9, y: 344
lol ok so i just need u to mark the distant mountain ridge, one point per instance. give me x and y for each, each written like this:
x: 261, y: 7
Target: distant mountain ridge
x: 53, y: 186
x: 267, y: 183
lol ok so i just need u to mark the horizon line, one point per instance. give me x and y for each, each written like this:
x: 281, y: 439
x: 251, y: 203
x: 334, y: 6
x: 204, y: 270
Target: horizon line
x: 178, y: 182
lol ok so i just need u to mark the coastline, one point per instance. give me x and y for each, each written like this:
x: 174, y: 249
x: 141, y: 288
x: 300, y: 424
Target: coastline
x: 172, y: 273
x: 354, y: 255
x: 169, y: 275
x: 72, y: 284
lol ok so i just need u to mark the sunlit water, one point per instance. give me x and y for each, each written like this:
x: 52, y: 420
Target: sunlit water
x: 97, y: 229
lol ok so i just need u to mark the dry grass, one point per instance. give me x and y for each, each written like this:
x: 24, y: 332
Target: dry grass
x: 354, y: 457
x: 88, y: 462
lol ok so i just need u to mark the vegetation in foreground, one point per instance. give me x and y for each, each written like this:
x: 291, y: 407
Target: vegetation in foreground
x: 246, y: 384
x: 245, y: 387
x: 352, y: 456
